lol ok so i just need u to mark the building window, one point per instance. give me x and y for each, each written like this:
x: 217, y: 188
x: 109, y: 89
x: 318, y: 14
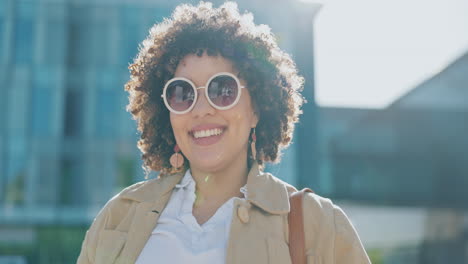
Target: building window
x: 47, y: 177
x: 73, y: 113
x: 100, y: 52
x: 88, y: 38
x: 71, y: 186
x: 106, y: 114
x: 41, y: 110
x: 2, y: 37
x: 125, y: 171
x: 15, y: 189
x: 41, y: 104
x: 24, y: 32
x: 55, y: 42
x: 107, y: 103
x: 16, y: 177
x: 130, y: 33
x: 79, y: 38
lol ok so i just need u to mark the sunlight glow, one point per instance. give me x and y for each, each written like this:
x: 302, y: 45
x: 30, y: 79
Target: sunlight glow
x: 369, y: 53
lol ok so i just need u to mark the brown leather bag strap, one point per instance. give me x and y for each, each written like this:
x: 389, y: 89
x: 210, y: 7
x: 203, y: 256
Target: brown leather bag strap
x: 296, y: 227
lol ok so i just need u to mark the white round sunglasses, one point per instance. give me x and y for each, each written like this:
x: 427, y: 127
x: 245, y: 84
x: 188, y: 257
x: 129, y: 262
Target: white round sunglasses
x: 222, y: 90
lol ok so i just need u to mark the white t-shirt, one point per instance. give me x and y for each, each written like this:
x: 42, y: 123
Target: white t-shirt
x: 178, y: 238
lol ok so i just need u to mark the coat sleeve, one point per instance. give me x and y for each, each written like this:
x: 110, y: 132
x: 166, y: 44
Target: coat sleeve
x: 88, y: 248
x: 347, y: 245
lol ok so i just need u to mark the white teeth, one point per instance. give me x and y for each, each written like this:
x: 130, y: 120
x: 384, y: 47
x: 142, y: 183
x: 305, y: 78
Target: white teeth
x: 207, y: 133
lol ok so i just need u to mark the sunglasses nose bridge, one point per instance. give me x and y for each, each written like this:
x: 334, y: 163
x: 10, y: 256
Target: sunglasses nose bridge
x: 202, y: 105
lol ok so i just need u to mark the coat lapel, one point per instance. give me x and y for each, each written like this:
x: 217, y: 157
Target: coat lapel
x: 263, y: 236
x: 152, y: 199
x: 267, y: 192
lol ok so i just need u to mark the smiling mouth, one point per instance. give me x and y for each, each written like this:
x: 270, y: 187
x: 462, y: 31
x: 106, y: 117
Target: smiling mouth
x: 205, y: 137
x: 207, y: 133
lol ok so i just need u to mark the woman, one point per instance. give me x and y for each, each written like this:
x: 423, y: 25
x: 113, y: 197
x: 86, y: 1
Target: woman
x: 214, y: 98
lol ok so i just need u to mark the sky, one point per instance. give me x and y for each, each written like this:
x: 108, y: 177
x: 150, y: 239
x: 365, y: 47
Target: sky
x: 368, y: 53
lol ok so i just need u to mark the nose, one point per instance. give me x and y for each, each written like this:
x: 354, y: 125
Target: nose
x: 202, y: 107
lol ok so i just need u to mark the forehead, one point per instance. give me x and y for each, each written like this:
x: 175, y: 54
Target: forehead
x: 201, y: 68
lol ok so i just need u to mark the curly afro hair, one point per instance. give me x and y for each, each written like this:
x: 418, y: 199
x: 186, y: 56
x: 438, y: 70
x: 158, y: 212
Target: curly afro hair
x: 271, y: 76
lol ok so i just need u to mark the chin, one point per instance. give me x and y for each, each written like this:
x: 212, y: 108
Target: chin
x: 207, y: 164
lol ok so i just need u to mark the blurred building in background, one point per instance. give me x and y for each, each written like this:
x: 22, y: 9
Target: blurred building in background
x: 409, y: 159
x: 67, y: 144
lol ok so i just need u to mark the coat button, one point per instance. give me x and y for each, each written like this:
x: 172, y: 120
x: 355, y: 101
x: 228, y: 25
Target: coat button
x: 243, y: 214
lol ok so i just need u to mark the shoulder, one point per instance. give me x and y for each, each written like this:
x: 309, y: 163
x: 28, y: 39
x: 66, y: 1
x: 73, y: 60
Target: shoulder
x: 327, y: 211
x: 148, y: 190
x: 313, y: 203
x: 118, y: 207
x: 112, y: 214
x: 324, y: 211
x: 319, y: 213
x: 279, y: 182
x: 328, y: 227
x: 134, y: 192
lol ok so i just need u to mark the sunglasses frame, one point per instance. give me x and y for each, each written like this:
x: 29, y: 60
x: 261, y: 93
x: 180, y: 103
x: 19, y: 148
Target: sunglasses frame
x: 195, y: 88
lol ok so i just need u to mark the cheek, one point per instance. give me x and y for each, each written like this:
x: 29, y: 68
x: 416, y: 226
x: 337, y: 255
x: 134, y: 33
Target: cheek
x: 242, y: 121
x: 246, y: 117
x: 238, y: 117
x: 248, y: 110
x: 176, y: 123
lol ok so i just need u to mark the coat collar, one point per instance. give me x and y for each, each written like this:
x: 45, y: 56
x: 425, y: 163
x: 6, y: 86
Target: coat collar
x: 264, y: 190
x: 267, y: 192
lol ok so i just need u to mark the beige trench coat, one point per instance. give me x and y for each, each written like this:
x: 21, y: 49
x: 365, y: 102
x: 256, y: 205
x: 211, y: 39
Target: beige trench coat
x: 259, y: 227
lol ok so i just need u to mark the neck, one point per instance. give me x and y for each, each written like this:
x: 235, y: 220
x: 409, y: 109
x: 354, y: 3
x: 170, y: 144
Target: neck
x: 217, y: 186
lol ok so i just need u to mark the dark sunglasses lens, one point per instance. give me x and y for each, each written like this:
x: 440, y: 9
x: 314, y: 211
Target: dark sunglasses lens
x: 180, y: 95
x: 223, y: 90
